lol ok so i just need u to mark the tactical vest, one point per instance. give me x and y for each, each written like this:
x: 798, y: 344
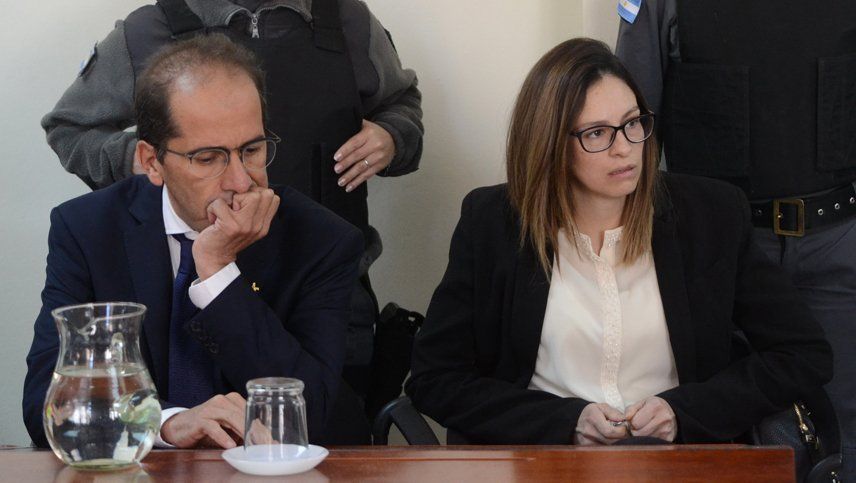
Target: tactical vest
x: 313, y: 101
x: 764, y: 95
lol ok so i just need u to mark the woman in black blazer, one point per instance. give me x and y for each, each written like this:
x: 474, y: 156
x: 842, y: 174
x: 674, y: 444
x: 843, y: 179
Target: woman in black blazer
x: 582, y: 163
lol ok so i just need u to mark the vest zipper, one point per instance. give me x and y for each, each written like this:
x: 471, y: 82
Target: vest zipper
x: 254, y: 21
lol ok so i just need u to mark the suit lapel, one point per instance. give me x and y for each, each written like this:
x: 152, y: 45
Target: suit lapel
x: 151, y: 273
x: 668, y: 260
x: 531, y: 289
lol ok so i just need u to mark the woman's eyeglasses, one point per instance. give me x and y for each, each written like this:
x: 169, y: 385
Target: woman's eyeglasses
x: 599, y: 138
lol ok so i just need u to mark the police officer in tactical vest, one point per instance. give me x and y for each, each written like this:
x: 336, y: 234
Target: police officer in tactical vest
x: 763, y: 95
x: 337, y: 96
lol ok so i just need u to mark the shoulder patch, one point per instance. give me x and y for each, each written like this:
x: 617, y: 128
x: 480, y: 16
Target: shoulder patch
x: 86, y: 64
x: 629, y: 9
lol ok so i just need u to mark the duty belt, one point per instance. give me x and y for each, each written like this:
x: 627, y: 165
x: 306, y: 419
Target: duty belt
x: 794, y: 216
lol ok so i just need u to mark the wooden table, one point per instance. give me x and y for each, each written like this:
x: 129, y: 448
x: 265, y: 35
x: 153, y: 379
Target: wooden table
x: 721, y: 463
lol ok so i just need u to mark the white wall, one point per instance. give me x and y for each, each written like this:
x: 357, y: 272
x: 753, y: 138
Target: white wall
x: 600, y: 20
x: 471, y: 56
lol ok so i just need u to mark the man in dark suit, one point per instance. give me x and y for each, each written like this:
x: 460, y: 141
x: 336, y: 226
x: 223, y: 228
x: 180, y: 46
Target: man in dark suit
x: 240, y: 280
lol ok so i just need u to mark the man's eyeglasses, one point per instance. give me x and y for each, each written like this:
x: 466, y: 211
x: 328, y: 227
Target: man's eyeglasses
x: 599, y: 138
x: 208, y: 163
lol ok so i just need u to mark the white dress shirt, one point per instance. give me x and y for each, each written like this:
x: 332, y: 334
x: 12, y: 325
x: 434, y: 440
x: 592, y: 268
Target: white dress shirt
x: 201, y: 293
x: 604, y: 337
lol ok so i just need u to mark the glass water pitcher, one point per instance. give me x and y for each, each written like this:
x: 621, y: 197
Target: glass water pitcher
x: 101, y: 411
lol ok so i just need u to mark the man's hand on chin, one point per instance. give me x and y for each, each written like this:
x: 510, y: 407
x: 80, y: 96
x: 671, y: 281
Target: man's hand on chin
x: 216, y: 423
x: 234, y: 228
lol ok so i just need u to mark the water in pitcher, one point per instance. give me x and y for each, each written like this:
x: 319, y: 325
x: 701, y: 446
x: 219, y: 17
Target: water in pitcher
x: 102, y: 417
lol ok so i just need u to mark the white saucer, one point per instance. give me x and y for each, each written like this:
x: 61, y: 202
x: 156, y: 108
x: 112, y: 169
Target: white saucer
x: 275, y: 459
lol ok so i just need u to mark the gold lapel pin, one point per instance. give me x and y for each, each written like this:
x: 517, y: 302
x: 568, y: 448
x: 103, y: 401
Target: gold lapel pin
x: 256, y: 288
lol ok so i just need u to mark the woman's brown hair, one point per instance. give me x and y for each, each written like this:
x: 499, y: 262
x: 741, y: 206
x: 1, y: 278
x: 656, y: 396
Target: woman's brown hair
x: 538, y: 154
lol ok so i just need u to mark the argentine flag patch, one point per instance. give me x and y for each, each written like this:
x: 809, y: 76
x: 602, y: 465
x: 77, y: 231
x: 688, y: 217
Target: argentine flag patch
x: 629, y: 9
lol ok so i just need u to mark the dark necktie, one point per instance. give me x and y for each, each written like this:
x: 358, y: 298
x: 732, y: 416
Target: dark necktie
x: 190, y: 368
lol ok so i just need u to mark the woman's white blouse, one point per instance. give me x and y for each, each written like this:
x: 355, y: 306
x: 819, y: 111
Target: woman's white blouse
x: 604, y: 337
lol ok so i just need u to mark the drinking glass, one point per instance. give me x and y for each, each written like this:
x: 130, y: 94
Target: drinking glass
x: 275, y: 425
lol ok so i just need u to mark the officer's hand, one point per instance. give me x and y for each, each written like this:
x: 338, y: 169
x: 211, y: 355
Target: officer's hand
x: 218, y: 422
x: 361, y: 157
x: 595, y: 425
x: 653, y: 417
x: 233, y: 228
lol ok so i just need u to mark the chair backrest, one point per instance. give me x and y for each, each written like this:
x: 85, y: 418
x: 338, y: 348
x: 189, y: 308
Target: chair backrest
x: 407, y: 419
x: 393, y: 345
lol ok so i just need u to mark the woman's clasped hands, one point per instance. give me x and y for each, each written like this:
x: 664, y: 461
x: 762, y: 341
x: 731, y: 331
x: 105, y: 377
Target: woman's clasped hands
x: 600, y: 423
